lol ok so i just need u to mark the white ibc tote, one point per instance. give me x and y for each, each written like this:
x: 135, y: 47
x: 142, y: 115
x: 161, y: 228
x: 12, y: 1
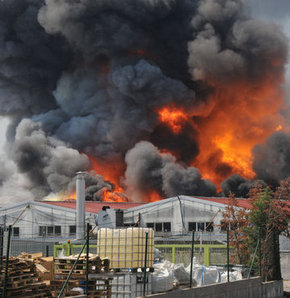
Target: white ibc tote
x: 126, y: 247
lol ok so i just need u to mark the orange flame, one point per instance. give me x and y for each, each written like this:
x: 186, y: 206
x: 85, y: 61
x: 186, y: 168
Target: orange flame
x: 113, y: 196
x: 154, y: 197
x: 173, y: 117
x: 112, y: 172
x: 242, y: 117
x: 279, y: 127
x: 61, y: 196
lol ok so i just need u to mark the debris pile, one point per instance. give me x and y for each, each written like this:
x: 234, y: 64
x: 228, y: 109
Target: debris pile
x: 97, y: 286
x: 33, y: 275
x: 23, y: 279
x: 63, y: 265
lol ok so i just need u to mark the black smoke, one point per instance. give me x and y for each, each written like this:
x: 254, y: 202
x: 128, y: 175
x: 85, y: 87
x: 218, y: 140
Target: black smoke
x: 272, y: 159
x: 239, y: 186
x: 86, y: 77
x: 148, y: 169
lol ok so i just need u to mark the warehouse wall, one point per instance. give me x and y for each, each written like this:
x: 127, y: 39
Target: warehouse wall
x: 249, y: 288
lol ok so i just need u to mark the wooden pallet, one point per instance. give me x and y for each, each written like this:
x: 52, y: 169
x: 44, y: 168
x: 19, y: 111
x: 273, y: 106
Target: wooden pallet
x: 21, y: 283
x: 36, y: 289
x: 23, y: 280
x: 96, y: 265
x: 98, y: 287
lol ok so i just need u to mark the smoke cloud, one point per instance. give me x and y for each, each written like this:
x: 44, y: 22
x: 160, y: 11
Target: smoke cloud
x: 86, y: 79
x: 149, y: 169
x: 272, y: 159
x: 243, y: 49
x: 46, y: 161
x: 239, y: 186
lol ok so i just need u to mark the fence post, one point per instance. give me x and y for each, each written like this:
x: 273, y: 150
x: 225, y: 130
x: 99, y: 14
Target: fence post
x: 1, y: 247
x: 206, y: 257
x: 228, y: 254
x: 7, y: 262
x: 191, y: 259
x: 145, y: 264
x: 260, y: 256
x: 87, y: 261
x: 173, y: 254
x: 55, y: 251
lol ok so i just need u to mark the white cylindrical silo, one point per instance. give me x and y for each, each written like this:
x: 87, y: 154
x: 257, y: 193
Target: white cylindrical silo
x: 81, y: 208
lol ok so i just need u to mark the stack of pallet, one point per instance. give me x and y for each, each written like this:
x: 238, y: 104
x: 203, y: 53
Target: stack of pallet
x: 56, y: 285
x: 44, y: 265
x: 63, y: 265
x: 23, y: 280
x: 96, y: 266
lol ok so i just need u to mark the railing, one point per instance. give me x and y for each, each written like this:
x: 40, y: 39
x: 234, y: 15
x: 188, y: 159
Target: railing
x: 206, y: 254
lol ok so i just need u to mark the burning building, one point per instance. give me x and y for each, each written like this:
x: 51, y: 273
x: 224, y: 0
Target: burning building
x: 152, y: 98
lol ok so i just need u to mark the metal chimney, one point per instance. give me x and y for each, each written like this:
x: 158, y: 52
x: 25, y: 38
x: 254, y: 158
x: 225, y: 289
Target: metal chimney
x: 80, y: 191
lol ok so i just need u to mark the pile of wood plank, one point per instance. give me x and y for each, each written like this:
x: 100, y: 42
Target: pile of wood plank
x: 44, y: 265
x: 22, y: 279
x: 63, y: 265
x: 98, y: 286
x: 56, y: 285
x: 33, y: 275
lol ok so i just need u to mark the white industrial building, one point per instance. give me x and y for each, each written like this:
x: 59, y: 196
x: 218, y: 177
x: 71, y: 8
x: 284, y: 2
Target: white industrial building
x: 170, y: 218
x: 178, y: 215
x: 57, y: 220
x: 181, y: 215
x: 54, y: 220
x: 39, y: 224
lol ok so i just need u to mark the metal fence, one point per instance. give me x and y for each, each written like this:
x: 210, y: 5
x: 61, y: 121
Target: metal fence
x: 18, y: 246
x: 177, y: 252
x: 206, y: 254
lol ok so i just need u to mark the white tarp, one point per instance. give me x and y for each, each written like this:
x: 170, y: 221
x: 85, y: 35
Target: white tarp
x: 163, y: 277
x: 234, y: 275
x: 166, y: 274
x: 203, y: 275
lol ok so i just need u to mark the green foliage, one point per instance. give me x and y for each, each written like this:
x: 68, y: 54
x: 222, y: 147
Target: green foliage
x: 266, y: 220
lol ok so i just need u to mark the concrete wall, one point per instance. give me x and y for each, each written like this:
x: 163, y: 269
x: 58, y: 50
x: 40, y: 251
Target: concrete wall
x: 285, y: 264
x: 249, y: 288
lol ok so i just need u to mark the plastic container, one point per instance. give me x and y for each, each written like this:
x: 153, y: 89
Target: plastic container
x: 131, y: 285
x: 126, y: 247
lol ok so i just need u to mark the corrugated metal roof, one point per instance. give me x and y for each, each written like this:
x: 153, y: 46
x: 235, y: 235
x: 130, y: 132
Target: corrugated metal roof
x: 93, y: 207
x: 243, y: 203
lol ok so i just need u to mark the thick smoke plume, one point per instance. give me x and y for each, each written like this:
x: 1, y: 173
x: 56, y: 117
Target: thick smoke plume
x: 272, y: 159
x: 83, y: 83
x: 239, y: 186
x: 149, y: 169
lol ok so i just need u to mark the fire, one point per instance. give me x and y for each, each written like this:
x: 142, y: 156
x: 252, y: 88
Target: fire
x: 242, y: 117
x: 173, y: 117
x: 154, y: 197
x: 111, y: 172
x: 115, y: 196
x: 279, y: 127
x: 61, y: 196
